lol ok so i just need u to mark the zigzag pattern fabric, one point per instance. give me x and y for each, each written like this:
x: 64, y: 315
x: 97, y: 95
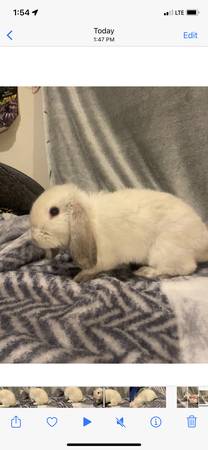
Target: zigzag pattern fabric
x: 46, y: 317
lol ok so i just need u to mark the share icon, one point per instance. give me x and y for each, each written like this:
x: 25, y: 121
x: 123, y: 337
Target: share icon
x: 120, y: 422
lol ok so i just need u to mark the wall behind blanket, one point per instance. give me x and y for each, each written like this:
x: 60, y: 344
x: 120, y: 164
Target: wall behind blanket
x: 22, y: 146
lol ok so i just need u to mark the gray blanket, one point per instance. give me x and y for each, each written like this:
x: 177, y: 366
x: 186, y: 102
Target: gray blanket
x: 112, y: 137
x: 116, y: 318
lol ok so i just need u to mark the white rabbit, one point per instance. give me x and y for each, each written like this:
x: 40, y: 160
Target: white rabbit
x: 73, y: 394
x: 7, y: 398
x: 106, y: 229
x: 146, y: 395
x: 38, y: 396
x: 112, y: 397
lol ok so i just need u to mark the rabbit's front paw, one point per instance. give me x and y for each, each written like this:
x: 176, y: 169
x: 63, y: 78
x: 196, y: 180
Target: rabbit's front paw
x: 84, y: 275
x: 147, y: 272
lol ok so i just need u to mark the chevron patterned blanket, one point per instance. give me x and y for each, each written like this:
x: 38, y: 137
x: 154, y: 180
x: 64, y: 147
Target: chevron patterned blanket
x: 46, y: 317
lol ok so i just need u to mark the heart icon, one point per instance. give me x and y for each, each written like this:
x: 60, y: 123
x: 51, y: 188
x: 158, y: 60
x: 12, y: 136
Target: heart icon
x: 52, y: 421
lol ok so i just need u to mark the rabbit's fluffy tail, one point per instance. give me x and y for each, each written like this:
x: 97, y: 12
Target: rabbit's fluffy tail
x: 204, y: 256
x: 203, y: 252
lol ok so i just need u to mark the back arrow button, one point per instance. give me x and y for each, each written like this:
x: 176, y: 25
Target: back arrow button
x: 9, y: 35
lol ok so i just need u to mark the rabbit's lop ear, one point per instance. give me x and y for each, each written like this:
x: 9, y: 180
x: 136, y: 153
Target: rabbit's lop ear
x: 83, y: 245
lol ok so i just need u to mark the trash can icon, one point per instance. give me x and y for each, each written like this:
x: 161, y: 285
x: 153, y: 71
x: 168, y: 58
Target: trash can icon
x: 191, y: 421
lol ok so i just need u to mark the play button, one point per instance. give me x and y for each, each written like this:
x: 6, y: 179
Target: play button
x: 86, y: 421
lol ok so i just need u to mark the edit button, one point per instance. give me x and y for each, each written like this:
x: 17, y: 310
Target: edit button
x: 190, y: 35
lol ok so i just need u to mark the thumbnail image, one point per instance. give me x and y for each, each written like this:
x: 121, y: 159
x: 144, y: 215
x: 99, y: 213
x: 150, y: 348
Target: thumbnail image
x: 135, y: 397
x: 188, y: 397
x: 182, y: 397
x: 203, y: 396
x: 103, y: 213
x: 53, y: 397
x: 82, y: 397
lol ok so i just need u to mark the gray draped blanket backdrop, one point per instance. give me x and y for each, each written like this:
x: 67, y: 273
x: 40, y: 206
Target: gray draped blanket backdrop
x: 111, y: 137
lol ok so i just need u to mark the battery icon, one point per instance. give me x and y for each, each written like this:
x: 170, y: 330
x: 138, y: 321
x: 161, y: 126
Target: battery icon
x: 192, y: 12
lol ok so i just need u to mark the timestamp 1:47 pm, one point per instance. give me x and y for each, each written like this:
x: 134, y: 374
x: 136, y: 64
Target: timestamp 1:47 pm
x: 106, y: 39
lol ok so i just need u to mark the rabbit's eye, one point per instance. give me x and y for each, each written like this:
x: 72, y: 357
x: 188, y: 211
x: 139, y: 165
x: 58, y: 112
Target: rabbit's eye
x: 54, y: 211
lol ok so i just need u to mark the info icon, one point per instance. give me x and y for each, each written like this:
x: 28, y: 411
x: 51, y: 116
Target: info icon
x: 156, y: 422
